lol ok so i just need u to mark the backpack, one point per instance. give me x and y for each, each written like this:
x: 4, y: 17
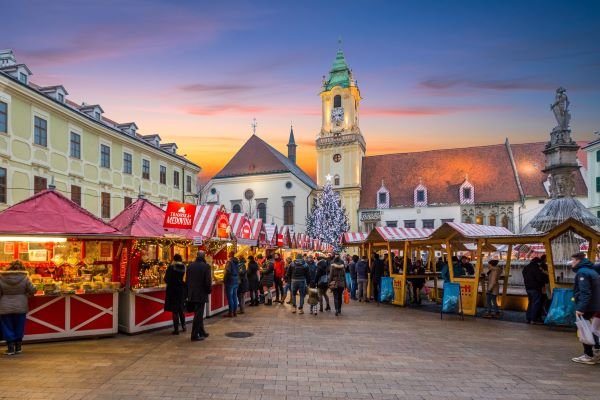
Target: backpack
x: 324, y: 280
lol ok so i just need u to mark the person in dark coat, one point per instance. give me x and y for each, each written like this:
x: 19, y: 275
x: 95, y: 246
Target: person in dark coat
x: 175, y: 293
x: 253, y: 282
x: 243, y: 286
x: 231, y: 280
x: 353, y: 277
x: 199, y: 286
x: 337, y: 283
x: 417, y: 283
x: 267, y: 277
x: 376, y: 275
x: 586, y: 293
x: 362, y: 278
x: 322, y: 279
x: 534, y: 280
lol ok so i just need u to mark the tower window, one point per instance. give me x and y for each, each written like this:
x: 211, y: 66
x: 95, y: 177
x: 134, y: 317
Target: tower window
x: 466, y: 193
x: 337, y: 101
x: 288, y: 213
x: 336, y: 180
x: 337, y: 157
x: 262, y: 211
x: 382, y: 198
x: 420, y: 196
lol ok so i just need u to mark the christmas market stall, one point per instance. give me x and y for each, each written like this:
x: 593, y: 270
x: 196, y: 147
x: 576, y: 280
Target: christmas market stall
x: 148, y: 250
x: 355, y: 240
x: 400, y: 241
x: 72, y: 258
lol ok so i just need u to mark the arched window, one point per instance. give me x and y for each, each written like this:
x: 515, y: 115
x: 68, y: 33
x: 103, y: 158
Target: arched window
x: 468, y: 220
x: 288, y: 213
x: 337, y: 101
x: 336, y: 180
x: 236, y: 208
x: 493, y: 219
x: 505, y: 221
x: 479, y: 219
x: 262, y: 211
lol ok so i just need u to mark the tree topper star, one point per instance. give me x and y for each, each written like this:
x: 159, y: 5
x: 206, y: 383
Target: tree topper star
x: 328, y: 177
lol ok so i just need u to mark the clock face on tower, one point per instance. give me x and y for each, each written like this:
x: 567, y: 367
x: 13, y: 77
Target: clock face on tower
x: 337, y: 115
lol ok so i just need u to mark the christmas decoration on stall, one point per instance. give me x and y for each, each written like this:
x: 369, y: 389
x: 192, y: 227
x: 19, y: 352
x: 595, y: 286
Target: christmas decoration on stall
x: 328, y: 220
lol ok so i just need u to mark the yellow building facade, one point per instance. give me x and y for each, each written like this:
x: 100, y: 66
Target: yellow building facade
x: 100, y: 164
x: 340, y: 143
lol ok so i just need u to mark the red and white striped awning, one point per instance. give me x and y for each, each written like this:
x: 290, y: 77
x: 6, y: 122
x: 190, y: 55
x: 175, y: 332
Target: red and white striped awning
x: 258, y: 231
x: 479, y: 231
x: 283, y: 237
x: 354, y: 237
x: 236, y: 220
x: 204, y: 221
x: 399, y: 234
x: 271, y: 230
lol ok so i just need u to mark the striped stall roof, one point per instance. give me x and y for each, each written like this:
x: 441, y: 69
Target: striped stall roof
x: 236, y: 220
x: 390, y: 234
x: 479, y: 231
x: 354, y: 237
x: 258, y: 231
x: 205, y: 219
x: 271, y: 230
x: 283, y: 238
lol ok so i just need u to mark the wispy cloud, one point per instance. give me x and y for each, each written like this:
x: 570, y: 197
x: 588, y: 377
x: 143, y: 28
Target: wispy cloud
x: 425, y: 111
x: 212, y: 88
x: 223, y: 108
x: 444, y: 83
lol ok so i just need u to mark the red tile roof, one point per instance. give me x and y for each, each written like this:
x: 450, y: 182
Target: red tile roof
x: 488, y: 169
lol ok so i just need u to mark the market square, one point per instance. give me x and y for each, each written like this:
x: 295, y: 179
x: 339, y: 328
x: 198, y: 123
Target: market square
x: 285, y: 201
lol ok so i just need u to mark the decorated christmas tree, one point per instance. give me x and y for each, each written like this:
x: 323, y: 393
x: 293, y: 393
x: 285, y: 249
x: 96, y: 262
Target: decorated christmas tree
x: 327, y: 220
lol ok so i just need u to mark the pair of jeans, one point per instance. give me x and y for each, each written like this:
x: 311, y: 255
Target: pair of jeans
x: 337, y: 298
x: 323, y: 295
x: 178, y: 317
x: 198, y: 323
x: 362, y: 289
x: 376, y: 288
x: 13, y: 327
x: 354, y: 289
x: 491, y: 303
x: 232, y: 298
x: 278, y: 289
x: 298, y: 286
x: 534, y: 305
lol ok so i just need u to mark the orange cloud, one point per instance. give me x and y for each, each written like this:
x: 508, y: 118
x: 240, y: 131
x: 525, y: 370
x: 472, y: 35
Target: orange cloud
x: 424, y: 111
x: 221, y: 108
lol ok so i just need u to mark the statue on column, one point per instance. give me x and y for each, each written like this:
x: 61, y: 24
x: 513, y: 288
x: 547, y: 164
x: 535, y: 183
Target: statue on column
x: 560, y: 108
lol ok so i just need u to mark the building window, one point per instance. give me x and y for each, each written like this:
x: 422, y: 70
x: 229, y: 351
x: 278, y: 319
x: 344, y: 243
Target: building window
x: 336, y: 180
x: 598, y: 214
x: 97, y: 115
x: 467, y: 193
x: 382, y: 198
x: 479, y: 219
x: 598, y: 155
x: 75, y: 145
x: 60, y: 97
x: 493, y: 219
x: 127, y: 201
x: 163, y: 175
x: 188, y: 184
x: 598, y: 184
x: 410, y: 223
x: 127, y: 163
x: 105, y: 204
x: 445, y: 220
x: 3, y: 117
x: 76, y: 194
x: 505, y: 221
x: 420, y: 196
x: 39, y: 184
x: 2, y: 185
x: 542, y: 201
x: 468, y: 220
x: 261, y: 209
x: 391, y: 224
x: 145, y: 169
x: 428, y: 223
x: 236, y: 208
x: 337, y: 101
x: 23, y: 77
x: 288, y: 213
x: 176, y: 179
x: 104, y: 156
x: 40, y: 132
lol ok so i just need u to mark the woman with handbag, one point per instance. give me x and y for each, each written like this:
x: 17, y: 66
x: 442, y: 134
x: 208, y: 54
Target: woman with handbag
x: 176, y: 292
x: 337, y: 282
x: 322, y: 279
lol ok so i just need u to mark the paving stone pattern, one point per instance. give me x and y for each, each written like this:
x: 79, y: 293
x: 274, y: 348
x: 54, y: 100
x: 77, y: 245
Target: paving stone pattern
x: 369, y: 352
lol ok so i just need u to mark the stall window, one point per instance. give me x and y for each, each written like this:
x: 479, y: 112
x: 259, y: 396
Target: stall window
x: 262, y: 211
x: 145, y: 169
x: 39, y: 184
x: 127, y: 201
x: 288, y: 213
x: 76, y: 194
x: 40, y: 132
x: 2, y: 185
x: 176, y: 179
x: 163, y: 175
x: 105, y: 204
x: 75, y: 145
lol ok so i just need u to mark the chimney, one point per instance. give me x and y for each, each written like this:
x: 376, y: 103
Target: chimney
x: 292, y: 146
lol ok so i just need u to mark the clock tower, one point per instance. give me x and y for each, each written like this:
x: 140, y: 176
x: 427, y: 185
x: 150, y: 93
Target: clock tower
x: 340, y: 144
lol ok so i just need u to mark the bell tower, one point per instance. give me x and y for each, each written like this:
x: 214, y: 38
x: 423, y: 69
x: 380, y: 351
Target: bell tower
x: 340, y: 143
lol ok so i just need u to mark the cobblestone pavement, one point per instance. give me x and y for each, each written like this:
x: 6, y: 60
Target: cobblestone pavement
x: 369, y: 352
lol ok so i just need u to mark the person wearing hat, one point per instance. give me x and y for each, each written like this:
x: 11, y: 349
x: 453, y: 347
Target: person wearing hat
x: 586, y: 294
x: 299, y: 275
x: 493, y: 288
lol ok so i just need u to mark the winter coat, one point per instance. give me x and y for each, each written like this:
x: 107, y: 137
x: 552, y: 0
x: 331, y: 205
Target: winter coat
x: 533, y: 276
x: 231, y: 277
x: 298, y: 271
x: 337, y: 275
x: 353, y: 270
x: 15, y: 287
x: 267, y: 274
x: 378, y: 270
x: 417, y: 282
x: 279, y: 268
x: 468, y: 268
x: 362, y: 270
x: 322, y: 270
x: 176, y: 289
x: 493, y: 278
x: 586, y: 288
x: 243, y: 275
x: 313, y: 296
x: 199, y: 281
x: 312, y: 271
x: 253, y: 276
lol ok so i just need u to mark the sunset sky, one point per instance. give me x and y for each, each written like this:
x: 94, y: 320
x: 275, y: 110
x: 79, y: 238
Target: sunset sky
x: 433, y: 74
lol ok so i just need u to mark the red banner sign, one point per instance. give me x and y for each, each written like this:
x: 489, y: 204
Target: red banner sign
x: 222, y: 224
x: 179, y: 215
x: 246, y: 231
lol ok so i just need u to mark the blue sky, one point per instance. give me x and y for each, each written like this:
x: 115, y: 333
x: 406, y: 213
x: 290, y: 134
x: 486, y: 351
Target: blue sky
x: 433, y: 74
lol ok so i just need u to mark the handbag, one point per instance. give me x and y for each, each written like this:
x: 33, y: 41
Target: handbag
x: 346, y: 296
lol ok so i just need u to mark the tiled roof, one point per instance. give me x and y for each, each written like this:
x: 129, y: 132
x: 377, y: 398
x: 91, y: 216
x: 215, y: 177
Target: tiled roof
x: 487, y: 168
x: 257, y: 157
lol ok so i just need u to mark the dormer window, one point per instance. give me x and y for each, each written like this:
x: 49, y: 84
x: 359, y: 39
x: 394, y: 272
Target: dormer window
x: 129, y: 128
x: 23, y: 77
x: 97, y: 115
x: 94, y: 111
x: 58, y: 92
x: 420, y: 195
x: 60, y: 97
x: 383, y: 197
x: 466, y: 193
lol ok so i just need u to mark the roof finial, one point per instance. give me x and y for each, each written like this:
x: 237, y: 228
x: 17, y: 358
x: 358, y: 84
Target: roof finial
x: 466, y: 177
x: 254, y: 124
x: 382, y: 184
x: 140, y: 193
x: 52, y: 186
x: 340, y: 42
x: 420, y: 181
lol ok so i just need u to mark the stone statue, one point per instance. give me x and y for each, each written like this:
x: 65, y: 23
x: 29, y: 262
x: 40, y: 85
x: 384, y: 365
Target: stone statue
x: 560, y: 108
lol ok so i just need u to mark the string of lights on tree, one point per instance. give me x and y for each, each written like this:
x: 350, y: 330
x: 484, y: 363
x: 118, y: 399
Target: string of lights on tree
x: 328, y: 219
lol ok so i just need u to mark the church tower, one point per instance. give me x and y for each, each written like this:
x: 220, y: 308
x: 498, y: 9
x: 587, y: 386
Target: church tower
x: 340, y: 144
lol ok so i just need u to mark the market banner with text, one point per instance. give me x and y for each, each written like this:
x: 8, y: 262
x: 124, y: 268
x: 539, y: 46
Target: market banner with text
x: 179, y: 215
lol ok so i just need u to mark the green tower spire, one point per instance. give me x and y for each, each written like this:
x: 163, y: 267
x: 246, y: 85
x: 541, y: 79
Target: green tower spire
x: 340, y: 74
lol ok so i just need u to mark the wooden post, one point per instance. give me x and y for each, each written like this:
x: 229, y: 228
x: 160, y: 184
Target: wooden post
x: 450, y: 266
x: 389, y: 259
x: 506, y: 275
x: 434, y: 269
x: 550, y: 261
x: 591, y: 255
x: 478, y: 269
